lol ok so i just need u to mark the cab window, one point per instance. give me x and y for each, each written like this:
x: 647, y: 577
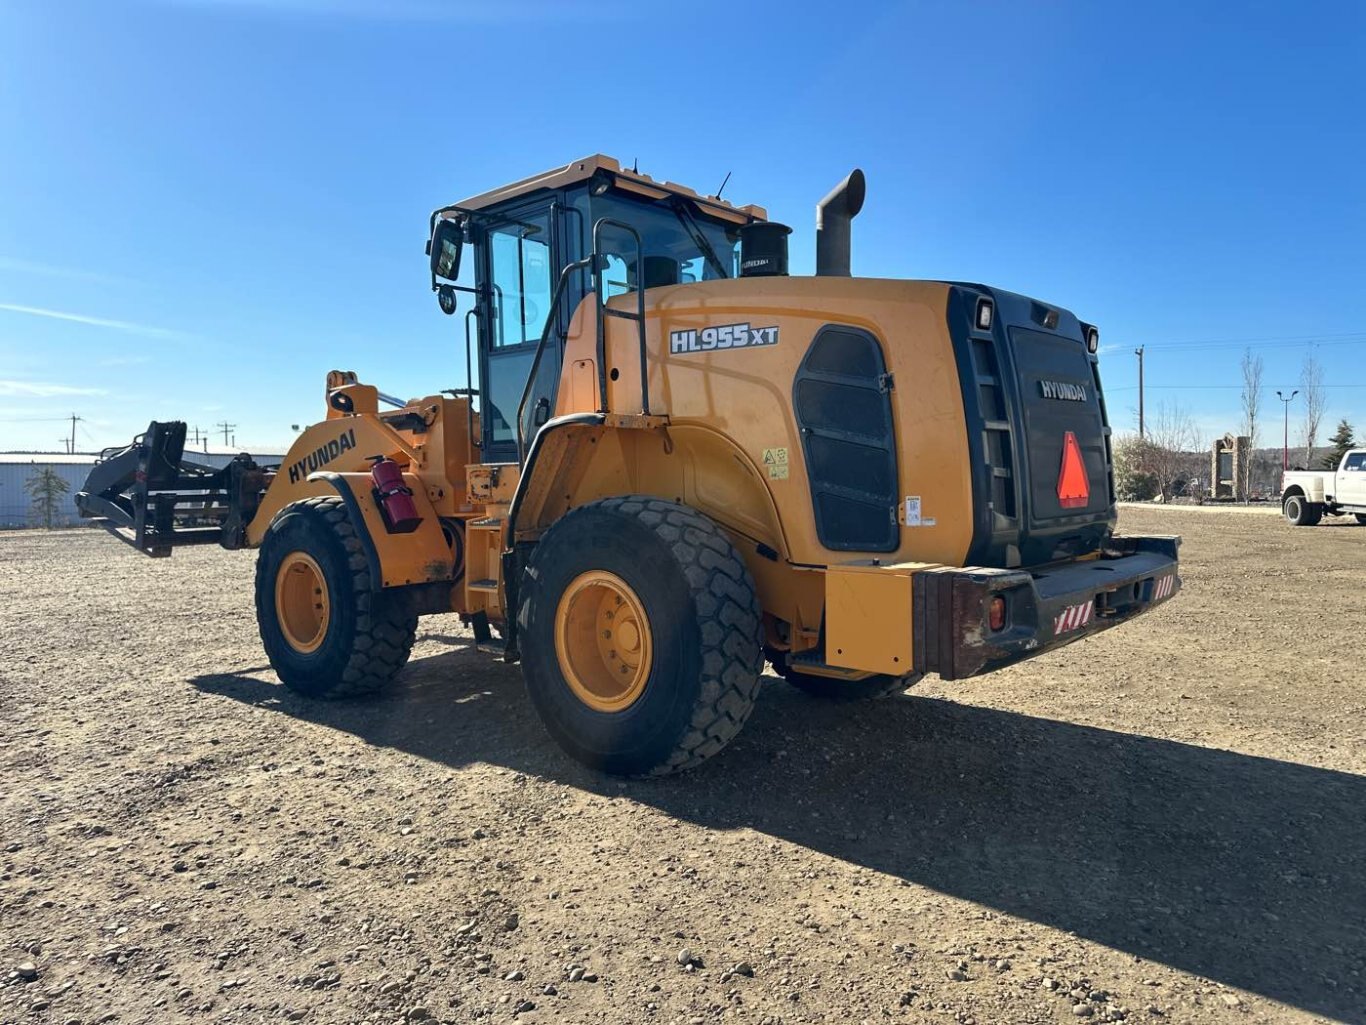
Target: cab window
x: 614, y: 277
x: 519, y: 272
x: 1355, y: 461
x: 676, y: 247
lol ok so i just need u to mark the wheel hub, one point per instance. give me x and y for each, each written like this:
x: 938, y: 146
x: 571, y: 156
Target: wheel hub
x: 603, y: 641
x: 301, y: 603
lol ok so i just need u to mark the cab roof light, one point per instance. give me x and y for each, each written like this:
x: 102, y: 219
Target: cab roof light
x: 985, y: 310
x: 1045, y: 316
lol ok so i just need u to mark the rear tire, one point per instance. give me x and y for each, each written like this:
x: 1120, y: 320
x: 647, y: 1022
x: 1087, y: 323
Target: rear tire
x: 357, y: 639
x: 1300, y: 512
x: 676, y: 671
x: 828, y: 688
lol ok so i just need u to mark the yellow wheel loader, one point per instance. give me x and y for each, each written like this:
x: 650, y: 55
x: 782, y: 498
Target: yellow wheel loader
x: 678, y: 462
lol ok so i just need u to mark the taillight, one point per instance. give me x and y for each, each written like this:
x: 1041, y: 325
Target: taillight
x: 996, y: 613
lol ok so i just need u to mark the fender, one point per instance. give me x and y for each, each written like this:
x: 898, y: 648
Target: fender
x: 395, y: 560
x: 589, y: 456
x: 341, y: 444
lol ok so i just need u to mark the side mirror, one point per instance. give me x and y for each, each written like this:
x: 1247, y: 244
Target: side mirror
x: 448, y: 239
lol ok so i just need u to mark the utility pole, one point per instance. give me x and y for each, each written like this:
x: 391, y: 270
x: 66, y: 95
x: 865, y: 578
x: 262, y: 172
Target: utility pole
x: 1139, y: 353
x: 1285, y: 438
x: 225, y: 427
x: 74, y: 419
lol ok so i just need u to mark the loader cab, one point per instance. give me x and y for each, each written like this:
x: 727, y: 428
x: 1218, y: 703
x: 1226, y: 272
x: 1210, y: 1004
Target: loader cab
x: 516, y: 249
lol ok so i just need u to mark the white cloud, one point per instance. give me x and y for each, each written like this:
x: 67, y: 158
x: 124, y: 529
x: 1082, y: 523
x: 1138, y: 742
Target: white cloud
x: 43, y: 390
x: 12, y: 263
x: 146, y: 330
x: 487, y: 12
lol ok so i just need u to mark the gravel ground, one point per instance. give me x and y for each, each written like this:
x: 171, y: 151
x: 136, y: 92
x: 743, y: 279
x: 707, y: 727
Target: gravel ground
x: 1166, y: 823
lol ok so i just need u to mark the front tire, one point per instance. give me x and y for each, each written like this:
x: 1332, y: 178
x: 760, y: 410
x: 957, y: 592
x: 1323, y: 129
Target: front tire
x: 326, y: 633
x: 640, y: 630
x: 1300, y: 512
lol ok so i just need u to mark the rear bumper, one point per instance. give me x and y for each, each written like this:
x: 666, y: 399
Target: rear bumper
x: 1045, y: 608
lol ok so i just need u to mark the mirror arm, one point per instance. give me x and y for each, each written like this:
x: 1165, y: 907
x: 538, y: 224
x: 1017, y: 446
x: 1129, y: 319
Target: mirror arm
x: 475, y: 291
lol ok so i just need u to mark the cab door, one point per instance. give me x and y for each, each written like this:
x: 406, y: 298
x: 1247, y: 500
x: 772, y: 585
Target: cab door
x: 519, y: 257
x: 1351, y: 480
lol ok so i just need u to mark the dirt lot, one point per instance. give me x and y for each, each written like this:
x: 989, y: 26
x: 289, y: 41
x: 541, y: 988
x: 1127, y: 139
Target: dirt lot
x: 1166, y: 823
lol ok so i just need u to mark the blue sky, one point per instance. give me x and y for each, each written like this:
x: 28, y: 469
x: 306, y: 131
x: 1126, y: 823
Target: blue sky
x: 206, y: 204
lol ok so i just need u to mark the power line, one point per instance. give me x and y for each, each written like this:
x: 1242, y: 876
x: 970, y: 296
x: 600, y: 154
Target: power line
x: 1353, y: 338
x: 226, y: 428
x: 1172, y: 347
x: 1206, y: 387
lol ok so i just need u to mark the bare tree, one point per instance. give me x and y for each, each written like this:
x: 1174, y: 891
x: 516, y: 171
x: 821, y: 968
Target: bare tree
x: 1311, y: 387
x: 1167, y: 446
x: 1252, y: 407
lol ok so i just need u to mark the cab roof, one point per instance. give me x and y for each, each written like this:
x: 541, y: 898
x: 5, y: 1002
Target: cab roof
x: 628, y: 181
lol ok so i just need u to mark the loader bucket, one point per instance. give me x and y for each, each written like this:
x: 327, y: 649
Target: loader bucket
x: 149, y: 496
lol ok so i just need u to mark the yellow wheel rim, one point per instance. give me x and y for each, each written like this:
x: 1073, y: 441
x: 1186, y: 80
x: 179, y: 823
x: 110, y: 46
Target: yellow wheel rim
x: 301, y: 604
x: 603, y: 641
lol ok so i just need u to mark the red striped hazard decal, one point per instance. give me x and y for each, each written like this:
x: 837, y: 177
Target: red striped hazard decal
x: 1074, y: 617
x: 1164, y: 586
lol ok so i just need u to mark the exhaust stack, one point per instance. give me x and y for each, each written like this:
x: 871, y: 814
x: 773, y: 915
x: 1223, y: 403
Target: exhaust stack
x: 834, y: 214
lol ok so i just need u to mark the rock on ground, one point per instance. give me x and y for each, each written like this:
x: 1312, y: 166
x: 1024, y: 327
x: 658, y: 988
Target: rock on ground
x: 1163, y: 823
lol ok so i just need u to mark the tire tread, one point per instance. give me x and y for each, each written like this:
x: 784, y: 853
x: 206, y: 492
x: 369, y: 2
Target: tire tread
x: 728, y: 613
x: 385, y: 629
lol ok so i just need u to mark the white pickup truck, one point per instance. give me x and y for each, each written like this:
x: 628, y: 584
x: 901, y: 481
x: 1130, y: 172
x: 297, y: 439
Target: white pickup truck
x: 1309, y: 495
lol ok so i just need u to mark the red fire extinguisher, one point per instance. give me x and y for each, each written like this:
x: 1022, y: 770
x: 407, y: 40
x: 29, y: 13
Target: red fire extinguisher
x: 394, y: 497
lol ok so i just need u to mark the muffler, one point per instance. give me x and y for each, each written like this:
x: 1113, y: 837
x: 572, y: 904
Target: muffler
x: 834, y: 214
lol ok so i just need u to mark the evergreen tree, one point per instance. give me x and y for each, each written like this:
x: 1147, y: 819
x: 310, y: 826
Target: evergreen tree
x: 1341, y: 441
x: 46, y: 488
x: 1133, y: 481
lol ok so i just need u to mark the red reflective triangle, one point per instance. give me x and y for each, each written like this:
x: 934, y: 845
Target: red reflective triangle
x: 1074, y: 490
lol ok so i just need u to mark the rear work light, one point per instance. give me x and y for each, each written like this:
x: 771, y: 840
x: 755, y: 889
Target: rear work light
x: 985, y: 309
x: 996, y: 613
x: 1092, y: 338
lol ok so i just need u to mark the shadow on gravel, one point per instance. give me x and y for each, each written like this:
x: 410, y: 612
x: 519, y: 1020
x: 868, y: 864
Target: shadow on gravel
x: 1247, y: 871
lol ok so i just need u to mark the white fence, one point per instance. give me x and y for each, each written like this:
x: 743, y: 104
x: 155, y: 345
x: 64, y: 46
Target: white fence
x: 16, y: 469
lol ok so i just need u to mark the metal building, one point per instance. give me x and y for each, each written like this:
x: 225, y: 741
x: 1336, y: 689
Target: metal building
x: 17, y: 468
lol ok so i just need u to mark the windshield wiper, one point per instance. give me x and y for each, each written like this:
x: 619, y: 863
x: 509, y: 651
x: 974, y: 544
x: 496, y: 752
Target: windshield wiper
x: 690, y: 225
